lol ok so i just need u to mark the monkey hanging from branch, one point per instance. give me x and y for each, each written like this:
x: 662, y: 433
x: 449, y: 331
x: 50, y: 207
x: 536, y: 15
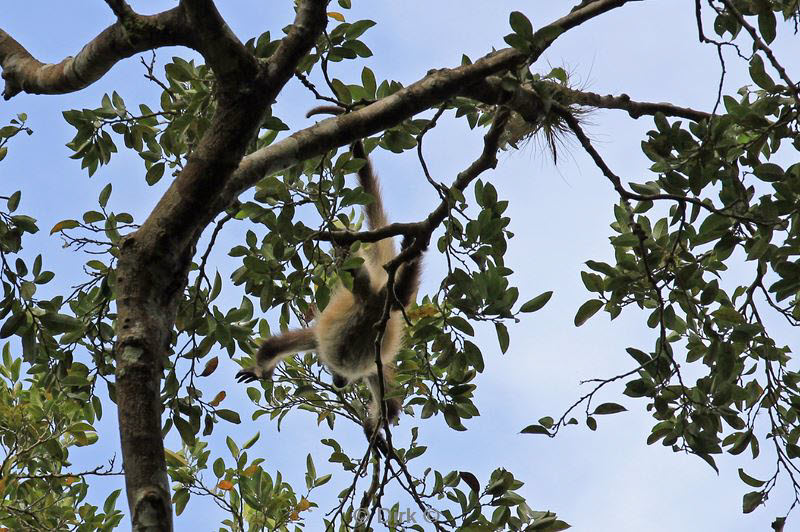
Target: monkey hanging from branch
x: 344, y: 334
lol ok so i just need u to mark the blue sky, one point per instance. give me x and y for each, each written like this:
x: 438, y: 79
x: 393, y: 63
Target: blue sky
x: 600, y: 481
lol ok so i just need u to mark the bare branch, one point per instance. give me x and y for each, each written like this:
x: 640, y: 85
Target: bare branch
x: 586, y: 10
x: 528, y: 103
x: 761, y: 45
x: 634, y: 108
x: 23, y: 72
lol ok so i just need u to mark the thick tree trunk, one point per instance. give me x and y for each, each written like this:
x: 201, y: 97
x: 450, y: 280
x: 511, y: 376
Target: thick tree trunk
x: 147, y: 302
x: 151, y: 276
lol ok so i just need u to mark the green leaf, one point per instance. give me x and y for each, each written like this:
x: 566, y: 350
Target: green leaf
x: 111, y: 501
x: 184, y: 429
x: 229, y: 416
x: 461, y: 324
x: 750, y: 481
x: 13, y: 201
x: 60, y: 323
x: 769, y: 172
x: 27, y: 290
x: 767, y: 24
x: 535, y: 429
x: 452, y: 418
x: 361, y: 49
x: 521, y: 25
x: 12, y: 324
x: 792, y: 450
x: 93, y: 216
x: 310, y: 469
x: 627, y: 240
x: 154, y: 174
x: 249, y: 443
x: 728, y: 314
x: 368, y: 81
x: 640, y: 356
x: 322, y: 480
x: 713, y: 227
x: 104, y: 194
x: 587, y: 310
x: 26, y: 223
x: 537, y: 302
x: 608, y: 408
x: 751, y: 500
x: 502, y: 336
x: 518, y: 43
x: 759, y: 75
x: 64, y: 224
x: 341, y: 90
x: 470, y: 480
x: 357, y: 28
x: 254, y: 394
x: 592, y: 282
x: 180, y: 499
x: 219, y: 467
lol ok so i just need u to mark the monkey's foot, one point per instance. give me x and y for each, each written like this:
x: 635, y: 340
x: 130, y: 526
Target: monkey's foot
x: 339, y: 381
x: 252, y: 374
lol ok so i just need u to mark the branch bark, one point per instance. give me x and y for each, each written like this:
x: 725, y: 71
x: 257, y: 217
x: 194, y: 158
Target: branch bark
x: 434, y: 88
x: 528, y: 103
x: 224, y: 52
x: 131, y: 34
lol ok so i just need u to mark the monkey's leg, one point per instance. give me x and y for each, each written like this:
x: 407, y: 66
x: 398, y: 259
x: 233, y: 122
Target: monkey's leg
x: 373, y: 424
x: 406, y: 283
x: 276, y: 348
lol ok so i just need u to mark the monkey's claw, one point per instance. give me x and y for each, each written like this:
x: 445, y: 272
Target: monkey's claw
x: 252, y: 374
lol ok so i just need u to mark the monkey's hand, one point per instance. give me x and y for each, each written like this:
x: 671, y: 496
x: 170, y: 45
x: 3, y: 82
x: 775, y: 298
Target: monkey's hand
x: 253, y: 373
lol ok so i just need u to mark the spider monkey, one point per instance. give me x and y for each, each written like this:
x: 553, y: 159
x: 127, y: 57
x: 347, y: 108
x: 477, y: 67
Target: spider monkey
x: 343, y: 335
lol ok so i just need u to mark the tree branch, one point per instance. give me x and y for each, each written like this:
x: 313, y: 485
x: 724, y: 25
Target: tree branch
x: 434, y: 88
x: 121, y: 9
x: 309, y: 23
x: 528, y: 103
x: 222, y: 50
x: 423, y: 229
x: 198, y: 194
x: 635, y: 109
x: 759, y: 44
x: 625, y: 194
x: 132, y: 34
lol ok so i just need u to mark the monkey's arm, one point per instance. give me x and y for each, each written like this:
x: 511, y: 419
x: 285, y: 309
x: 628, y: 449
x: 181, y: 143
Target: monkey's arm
x: 276, y: 348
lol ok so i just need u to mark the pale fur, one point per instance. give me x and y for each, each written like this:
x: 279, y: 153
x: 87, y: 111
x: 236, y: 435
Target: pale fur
x: 343, y: 334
